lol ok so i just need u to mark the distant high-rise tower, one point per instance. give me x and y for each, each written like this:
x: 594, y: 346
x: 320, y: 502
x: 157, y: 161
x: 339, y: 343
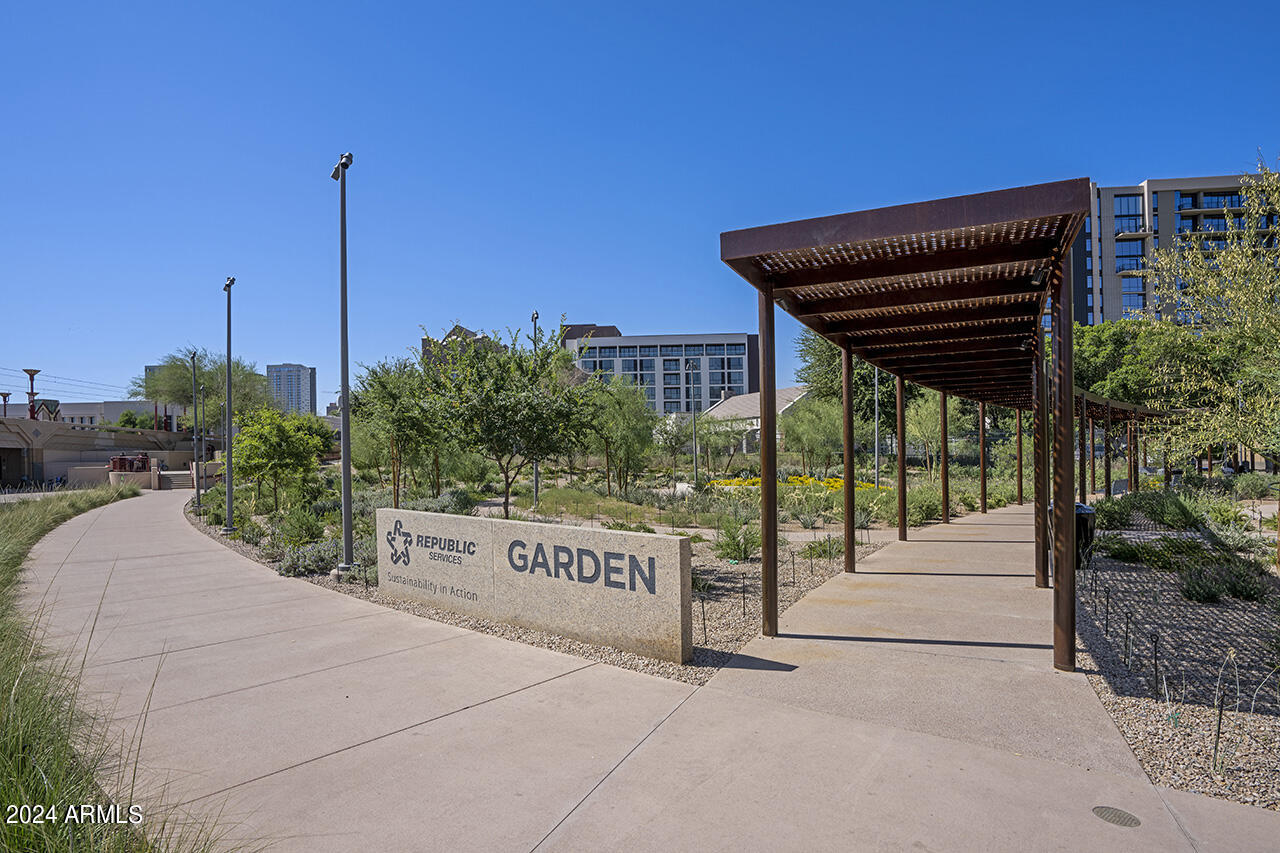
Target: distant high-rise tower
x: 293, y: 386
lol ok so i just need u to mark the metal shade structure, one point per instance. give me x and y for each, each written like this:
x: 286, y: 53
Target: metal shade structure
x: 948, y: 294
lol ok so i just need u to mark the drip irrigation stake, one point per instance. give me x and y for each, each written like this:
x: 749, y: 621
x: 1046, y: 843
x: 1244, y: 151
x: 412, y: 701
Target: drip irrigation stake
x: 703, y: 598
x: 1155, y: 661
x: 1128, y: 614
x: 1106, y: 613
x: 1217, y: 734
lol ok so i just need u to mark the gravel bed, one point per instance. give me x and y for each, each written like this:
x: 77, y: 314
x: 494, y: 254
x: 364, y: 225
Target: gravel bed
x: 1205, y: 650
x: 722, y: 622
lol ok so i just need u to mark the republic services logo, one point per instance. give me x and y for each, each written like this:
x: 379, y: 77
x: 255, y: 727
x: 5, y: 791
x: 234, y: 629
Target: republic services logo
x: 399, y: 555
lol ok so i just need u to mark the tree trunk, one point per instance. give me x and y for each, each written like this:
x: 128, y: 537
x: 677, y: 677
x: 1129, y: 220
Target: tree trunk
x: 435, y: 460
x: 608, y: 465
x: 275, y: 492
x: 395, y: 475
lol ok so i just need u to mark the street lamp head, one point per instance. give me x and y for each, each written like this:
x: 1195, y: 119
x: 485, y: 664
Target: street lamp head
x: 344, y: 162
x: 534, y: 318
x: 230, y: 281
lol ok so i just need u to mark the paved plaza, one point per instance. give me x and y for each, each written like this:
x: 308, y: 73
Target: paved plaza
x: 912, y: 706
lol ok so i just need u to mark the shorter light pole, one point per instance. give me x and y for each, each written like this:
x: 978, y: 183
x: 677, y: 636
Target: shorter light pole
x: 535, y: 462
x: 203, y: 414
x: 5, y: 396
x: 195, y: 426
x: 229, y: 524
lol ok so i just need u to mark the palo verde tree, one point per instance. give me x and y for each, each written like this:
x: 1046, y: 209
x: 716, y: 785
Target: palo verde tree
x: 390, y: 402
x: 820, y: 372
x: 275, y: 448
x: 513, y: 404
x: 621, y: 429
x: 671, y: 434
x: 814, y: 428
x: 171, y: 383
x: 1223, y: 288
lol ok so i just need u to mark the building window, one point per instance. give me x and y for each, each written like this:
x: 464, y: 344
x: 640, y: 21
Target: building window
x: 693, y: 349
x: 715, y: 364
x: 650, y: 392
x: 649, y: 352
x: 623, y: 352
x: 671, y: 393
x: 646, y: 364
x: 646, y: 379
x: 735, y: 390
x: 1128, y: 224
x: 589, y: 352
x: 1133, y: 302
x: 716, y: 378
x: 735, y: 376
x: 629, y: 364
x: 1132, y: 284
x: 735, y: 349
x: 715, y: 349
x: 1184, y: 201
x: 735, y: 364
x: 1127, y: 205
x: 1155, y: 201
x: 671, y: 364
x: 670, y: 408
x: 605, y: 365
x: 671, y: 379
x: 693, y: 364
x: 1214, y: 223
x: 608, y: 352
x: 672, y: 349
x: 586, y: 364
x: 1128, y: 255
x: 1220, y: 200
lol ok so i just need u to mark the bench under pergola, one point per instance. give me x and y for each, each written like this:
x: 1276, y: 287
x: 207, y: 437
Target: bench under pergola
x: 948, y: 294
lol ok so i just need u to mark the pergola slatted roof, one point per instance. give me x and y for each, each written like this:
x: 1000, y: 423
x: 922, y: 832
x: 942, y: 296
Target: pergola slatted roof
x: 946, y: 293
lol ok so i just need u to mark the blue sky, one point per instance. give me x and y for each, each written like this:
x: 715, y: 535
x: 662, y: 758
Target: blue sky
x: 572, y: 158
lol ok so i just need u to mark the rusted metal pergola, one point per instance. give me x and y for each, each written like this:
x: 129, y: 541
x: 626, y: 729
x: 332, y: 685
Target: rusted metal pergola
x: 948, y: 294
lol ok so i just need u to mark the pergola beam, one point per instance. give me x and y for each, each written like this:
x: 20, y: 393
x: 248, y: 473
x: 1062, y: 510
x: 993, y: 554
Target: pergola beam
x: 859, y: 326
x: 874, y: 299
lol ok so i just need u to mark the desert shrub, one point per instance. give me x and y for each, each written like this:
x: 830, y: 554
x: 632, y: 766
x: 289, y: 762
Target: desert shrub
x: 452, y: 501
x: 966, y: 500
x: 1199, y: 583
x: 737, y: 540
x: 1253, y: 486
x: 861, y: 517
x: 1112, y: 514
x: 298, y: 527
x: 923, y: 504
x: 1164, y: 507
x: 324, y: 556
x: 807, y: 520
x: 252, y: 532
x: 823, y: 549
x: 637, y: 527
x: 1244, y: 579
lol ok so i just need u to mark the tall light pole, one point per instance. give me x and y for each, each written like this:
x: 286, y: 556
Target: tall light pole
x: 31, y: 395
x: 195, y: 428
x: 535, y: 462
x: 5, y: 396
x: 204, y: 426
x: 688, y: 366
x: 339, y: 174
x: 229, y: 524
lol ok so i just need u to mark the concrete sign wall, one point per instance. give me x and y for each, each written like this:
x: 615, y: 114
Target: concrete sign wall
x: 631, y: 591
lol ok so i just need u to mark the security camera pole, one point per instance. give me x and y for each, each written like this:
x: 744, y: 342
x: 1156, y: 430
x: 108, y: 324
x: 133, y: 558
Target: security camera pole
x: 339, y: 174
x: 229, y: 526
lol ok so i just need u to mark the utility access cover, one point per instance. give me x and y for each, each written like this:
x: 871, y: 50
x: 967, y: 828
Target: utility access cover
x: 1117, y: 816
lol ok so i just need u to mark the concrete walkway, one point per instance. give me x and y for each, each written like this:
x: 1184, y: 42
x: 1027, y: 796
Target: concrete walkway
x: 910, y: 707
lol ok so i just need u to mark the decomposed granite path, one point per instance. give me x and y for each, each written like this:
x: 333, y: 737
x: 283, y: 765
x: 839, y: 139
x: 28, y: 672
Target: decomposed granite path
x: 912, y: 706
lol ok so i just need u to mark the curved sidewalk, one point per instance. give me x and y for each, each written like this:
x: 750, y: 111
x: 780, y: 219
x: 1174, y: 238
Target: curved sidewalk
x: 912, y: 706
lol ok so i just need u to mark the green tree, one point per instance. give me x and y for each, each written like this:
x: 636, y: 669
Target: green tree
x: 820, y: 372
x: 721, y: 437
x: 391, y: 402
x: 513, y: 404
x: 923, y: 422
x: 130, y: 419
x: 171, y: 383
x: 814, y: 428
x: 274, y: 447
x: 671, y: 434
x: 1224, y: 289
x: 622, y: 429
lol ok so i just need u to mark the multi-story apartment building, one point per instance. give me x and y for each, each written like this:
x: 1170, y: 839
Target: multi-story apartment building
x: 1127, y: 223
x: 293, y: 387
x: 679, y: 373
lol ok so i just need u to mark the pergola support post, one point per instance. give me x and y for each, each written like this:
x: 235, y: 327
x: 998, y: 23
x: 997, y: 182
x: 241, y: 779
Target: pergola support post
x: 1064, y: 521
x: 1084, y: 498
x: 1017, y: 413
x: 850, y: 479
x: 1165, y: 466
x: 982, y: 457
x: 1129, y: 457
x: 901, y: 389
x: 1040, y: 497
x: 768, y: 469
x: 1093, y: 465
x: 943, y: 459
x: 1106, y: 451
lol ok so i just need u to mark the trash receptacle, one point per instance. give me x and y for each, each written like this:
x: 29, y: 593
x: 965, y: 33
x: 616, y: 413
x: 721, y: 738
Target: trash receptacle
x: 1086, y: 519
